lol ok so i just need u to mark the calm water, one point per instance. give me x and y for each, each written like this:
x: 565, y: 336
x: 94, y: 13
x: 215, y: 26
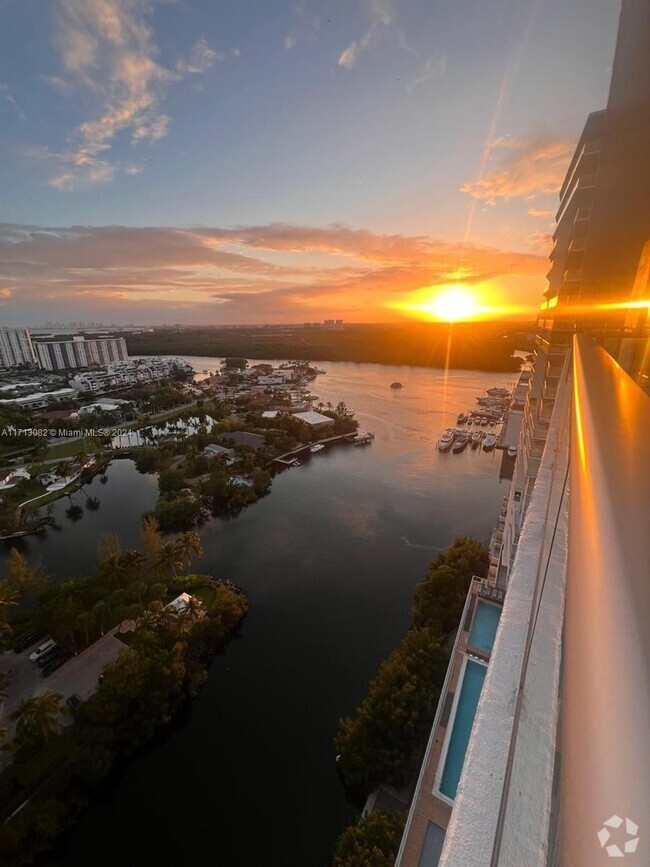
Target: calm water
x: 329, y: 561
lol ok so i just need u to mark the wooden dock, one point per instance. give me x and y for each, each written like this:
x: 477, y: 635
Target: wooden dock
x: 286, y: 458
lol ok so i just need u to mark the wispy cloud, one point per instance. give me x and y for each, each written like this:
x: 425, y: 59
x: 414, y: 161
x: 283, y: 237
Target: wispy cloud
x: 109, y: 54
x: 290, y: 42
x: 433, y: 67
x: 539, y: 213
x: 249, y: 272
x: 200, y: 59
x: 380, y: 16
x: 525, y: 168
x: 7, y: 96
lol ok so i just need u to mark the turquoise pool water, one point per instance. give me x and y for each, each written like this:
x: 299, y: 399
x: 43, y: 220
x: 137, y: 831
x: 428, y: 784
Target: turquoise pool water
x: 470, y: 692
x: 484, y: 626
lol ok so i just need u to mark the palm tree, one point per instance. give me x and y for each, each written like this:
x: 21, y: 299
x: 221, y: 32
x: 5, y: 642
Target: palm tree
x: 171, y: 557
x: 80, y: 458
x: 132, y: 562
x: 189, y: 544
x: 62, y: 469
x: 85, y: 622
x: 101, y: 610
x: 113, y: 569
x: 37, y: 719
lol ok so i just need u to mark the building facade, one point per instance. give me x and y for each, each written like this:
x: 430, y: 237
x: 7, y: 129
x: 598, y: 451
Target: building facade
x: 79, y: 352
x: 16, y: 347
x: 536, y: 783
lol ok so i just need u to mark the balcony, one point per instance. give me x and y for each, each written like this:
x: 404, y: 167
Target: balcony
x: 573, y: 635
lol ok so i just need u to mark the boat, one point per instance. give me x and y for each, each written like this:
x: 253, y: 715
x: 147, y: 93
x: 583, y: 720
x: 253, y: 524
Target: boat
x: 489, y: 442
x: 461, y: 443
x: 446, y: 440
x: 317, y: 448
x: 498, y: 392
x: 470, y: 421
x: 396, y: 385
x: 363, y: 439
x: 461, y: 418
x: 475, y: 439
x: 512, y: 452
x: 484, y: 421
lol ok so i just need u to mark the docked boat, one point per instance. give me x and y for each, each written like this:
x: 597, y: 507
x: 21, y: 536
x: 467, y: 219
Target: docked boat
x: 489, y: 442
x: 461, y: 418
x: 363, y: 439
x: 470, y: 420
x: 396, y: 385
x: 512, y: 452
x: 461, y: 443
x: 484, y: 421
x: 475, y: 439
x: 317, y: 448
x: 446, y: 440
x: 498, y: 392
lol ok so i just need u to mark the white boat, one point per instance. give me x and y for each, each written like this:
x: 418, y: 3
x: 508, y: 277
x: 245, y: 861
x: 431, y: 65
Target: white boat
x: 484, y: 421
x: 475, y: 439
x: 446, y: 440
x: 317, y: 448
x: 461, y: 443
x: 512, y: 452
x: 489, y: 442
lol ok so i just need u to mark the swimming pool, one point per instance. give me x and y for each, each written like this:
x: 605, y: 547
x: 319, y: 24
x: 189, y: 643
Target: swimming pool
x: 470, y: 692
x: 484, y: 626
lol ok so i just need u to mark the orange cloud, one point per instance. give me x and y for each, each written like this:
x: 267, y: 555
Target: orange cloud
x: 274, y: 272
x: 526, y: 168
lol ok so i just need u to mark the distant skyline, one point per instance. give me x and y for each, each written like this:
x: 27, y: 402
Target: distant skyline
x: 254, y: 162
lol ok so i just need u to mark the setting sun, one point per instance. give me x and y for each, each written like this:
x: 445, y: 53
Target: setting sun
x: 452, y: 304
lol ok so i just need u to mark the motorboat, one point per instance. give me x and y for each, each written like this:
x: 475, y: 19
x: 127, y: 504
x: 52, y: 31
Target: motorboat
x: 498, y: 392
x: 475, y: 439
x: 396, y: 385
x: 512, y: 452
x: 470, y: 421
x: 484, y: 421
x: 317, y: 448
x: 446, y: 440
x: 489, y: 442
x: 461, y: 418
x: 461, y: 443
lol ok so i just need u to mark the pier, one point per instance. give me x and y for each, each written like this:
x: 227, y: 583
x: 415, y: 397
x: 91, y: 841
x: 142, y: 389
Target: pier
x: 285, y: 459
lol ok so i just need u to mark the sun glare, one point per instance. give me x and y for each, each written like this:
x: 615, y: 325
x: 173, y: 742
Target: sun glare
x: 452, y: 304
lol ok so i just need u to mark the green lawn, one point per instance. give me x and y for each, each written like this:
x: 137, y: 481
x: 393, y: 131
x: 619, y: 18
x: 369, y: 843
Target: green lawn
x: 73, y: 447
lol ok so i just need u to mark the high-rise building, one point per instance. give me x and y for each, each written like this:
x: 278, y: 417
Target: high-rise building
x: 16, y: 347
x: 537, y: 746
x: 79, y: 352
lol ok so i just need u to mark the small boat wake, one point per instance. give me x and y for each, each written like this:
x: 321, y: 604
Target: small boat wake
x: 408, y: 544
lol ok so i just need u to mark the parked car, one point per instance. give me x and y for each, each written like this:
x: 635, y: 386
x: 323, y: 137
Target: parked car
x: 41, y: 649
x: 26, y: 640
x: 56, y: 662
x: 48, y: 655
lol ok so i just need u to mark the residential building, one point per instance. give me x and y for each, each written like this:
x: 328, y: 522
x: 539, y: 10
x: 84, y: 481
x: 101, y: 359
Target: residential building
x: 551, y: 748
x: 80, y: 352
x: 16, y: 347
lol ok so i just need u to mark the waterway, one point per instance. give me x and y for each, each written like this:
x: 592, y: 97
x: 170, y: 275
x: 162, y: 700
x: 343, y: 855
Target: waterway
x: 329, y: 561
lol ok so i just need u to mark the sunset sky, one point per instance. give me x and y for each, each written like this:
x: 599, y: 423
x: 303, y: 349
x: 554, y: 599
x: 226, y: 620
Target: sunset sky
x: 236, y: 161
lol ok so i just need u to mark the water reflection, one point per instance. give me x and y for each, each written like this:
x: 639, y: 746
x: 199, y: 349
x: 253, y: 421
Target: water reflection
x: 329, y: 561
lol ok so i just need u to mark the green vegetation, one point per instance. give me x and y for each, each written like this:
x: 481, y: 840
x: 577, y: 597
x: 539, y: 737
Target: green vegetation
x: 370, y: 842
x: 383, y: 741
x: 56, y: 767
x: 474, y: 346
